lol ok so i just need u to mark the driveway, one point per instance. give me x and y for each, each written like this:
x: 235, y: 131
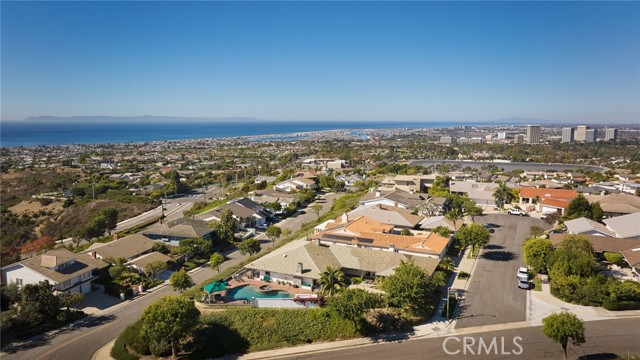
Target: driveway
x: 493, y: 296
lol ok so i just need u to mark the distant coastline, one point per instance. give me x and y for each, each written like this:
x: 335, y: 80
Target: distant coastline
x: 37, y: 133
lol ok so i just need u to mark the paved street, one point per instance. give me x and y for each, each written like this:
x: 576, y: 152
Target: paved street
x: 604, y: 338
x: 493, y: 296
x: 83, y: 341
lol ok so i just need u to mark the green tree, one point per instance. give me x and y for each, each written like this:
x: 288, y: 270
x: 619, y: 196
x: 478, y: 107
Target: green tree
x: 406, y: 232
x: 471, y: 209
x: 596, y: 212
x: 503, y: 195
x: 439, y: 279
x: 169, y: 319
x: 286, y: 232
x: 447, y: 263
x: 564, y: 327
x: 38, y: 304
x: 350, y: 304
x: 160, y: 247
x: 536, y: 231
x: 153, y: 269
x: 68, y: 300
x: 440, y: 186
x: 250, y: 246
x: 111, y: 218
x: 454, y: 215
x: 316, y: 208
x: 536, y: 254
x: 442, y: 231
x: 180, y: 281
x: 273, y: 232
x: 475, y: 235
x: 578, y: 207
x: 331, y: 281
x: 216, y: 260
x: 573, y: 256
x: 408, y: 288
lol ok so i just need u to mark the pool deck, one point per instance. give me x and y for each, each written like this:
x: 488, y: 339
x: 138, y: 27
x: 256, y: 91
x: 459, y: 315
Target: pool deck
x: 274, y: 286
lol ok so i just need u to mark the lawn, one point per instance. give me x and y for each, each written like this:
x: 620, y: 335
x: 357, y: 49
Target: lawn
x: 475, y: 253
x: 537, y: 284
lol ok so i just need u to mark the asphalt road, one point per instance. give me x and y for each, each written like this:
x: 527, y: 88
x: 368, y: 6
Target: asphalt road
x: 493, y: 296
x: 604, y: 339
x: 81, y: 342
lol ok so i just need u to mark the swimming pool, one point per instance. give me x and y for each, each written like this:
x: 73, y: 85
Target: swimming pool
x: 247, y: 292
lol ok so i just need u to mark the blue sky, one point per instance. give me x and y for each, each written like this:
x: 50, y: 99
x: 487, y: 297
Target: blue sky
x: 423, y: 61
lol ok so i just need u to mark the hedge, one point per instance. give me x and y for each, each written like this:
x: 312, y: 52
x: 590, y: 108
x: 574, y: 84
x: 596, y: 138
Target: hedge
x: 130, y: 339
x: 621, y: 305
x: 243, y: 330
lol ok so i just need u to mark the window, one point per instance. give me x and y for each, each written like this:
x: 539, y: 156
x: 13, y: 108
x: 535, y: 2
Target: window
x: 18, y: 282
x: 86, y: 275
x: 66, y: 283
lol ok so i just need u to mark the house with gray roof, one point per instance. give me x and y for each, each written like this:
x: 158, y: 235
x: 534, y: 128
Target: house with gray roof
x: 302, y: 262
x: 246, y: 212
x: 625, y: 226
x: 128, y: 247
x: 67, y: 271
x: 400, y: 218
x: 479, y: 192
x: 588, y: 227
x: 399, y: 198
x: 179, y: 229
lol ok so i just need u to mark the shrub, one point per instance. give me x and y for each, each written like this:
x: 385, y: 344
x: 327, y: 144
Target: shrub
x: 621, y: 305
x: 613, y: 257
x: 463, y: 275
x: 254, y: 329
x: 356, y: 280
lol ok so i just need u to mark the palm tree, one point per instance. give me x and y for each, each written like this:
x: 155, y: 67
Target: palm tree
x: 331, y: 281
x: 454, y: 215
x: 503, y: 195
x: 448, y: 263
x: 439, y: 279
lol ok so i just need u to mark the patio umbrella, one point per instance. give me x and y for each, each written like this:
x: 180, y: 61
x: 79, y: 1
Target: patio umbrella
x: 215, y: 286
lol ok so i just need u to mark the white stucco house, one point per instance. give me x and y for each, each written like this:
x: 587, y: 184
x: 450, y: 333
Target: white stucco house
x: 68, y: 272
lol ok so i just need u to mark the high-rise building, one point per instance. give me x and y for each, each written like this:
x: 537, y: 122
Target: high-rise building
x: 581, y: 133
x: 533, y: 134
x: 567, y: 135
x: 518, y: 139
x: 611, y: 134
x: 488, y: 137
x: 590, y: 135
x: 447, y: 140
x: 502, y: 135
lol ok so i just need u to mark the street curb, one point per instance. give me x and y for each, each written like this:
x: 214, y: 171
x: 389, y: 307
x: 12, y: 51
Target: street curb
x: 104, y: 353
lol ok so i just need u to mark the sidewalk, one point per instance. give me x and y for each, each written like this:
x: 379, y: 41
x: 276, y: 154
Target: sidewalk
x: 543, y: 304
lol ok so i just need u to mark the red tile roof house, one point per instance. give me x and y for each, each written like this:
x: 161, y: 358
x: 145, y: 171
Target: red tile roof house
x: 545, y: 200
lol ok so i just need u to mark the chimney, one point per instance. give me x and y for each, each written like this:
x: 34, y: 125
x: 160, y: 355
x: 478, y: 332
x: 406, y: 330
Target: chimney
x: 93, y: 254
x: 392, y: 247
x: 299, y: 269
x: 317, y: 241
x: 378, y: 193
x: 395, y: 204
x: 345, y: 218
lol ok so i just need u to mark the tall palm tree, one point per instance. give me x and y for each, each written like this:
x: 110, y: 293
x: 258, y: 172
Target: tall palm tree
x: 331, y: 281
x: 503, y: 195
x: 454, y: 215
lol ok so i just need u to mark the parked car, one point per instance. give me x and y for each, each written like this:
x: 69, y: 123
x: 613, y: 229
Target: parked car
x: 516, y: 212
x: 262, y: 226
x: 523, y: 278
x: 523, y: 272
x: 523, y: 283
x: 491, y: 227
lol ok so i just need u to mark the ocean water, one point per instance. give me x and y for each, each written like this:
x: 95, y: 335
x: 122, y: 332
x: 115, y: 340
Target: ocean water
x: 18, y: 133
